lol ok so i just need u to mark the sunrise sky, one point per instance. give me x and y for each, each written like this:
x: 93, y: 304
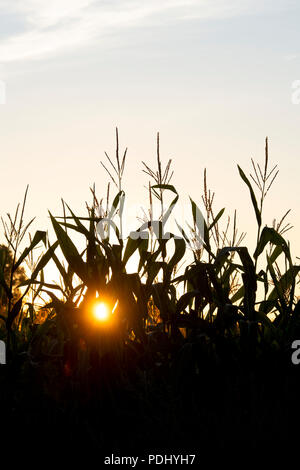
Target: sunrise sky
x: 214, y: 77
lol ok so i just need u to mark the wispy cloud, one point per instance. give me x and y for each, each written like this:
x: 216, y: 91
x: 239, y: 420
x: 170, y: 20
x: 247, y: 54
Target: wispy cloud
x: 60, y: 25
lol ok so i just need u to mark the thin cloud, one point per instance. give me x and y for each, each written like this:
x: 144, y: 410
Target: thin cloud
x: 60, y: 25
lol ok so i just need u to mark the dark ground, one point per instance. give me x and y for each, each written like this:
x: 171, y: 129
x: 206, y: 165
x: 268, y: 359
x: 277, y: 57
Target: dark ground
x: 216, y: 410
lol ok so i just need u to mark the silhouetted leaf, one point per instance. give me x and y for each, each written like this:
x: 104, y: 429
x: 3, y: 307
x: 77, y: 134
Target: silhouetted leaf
x: 38, y: 237
x: 69, y: 250
x: 14, y: 312
x: 269, y: 235
x: 253, y: 198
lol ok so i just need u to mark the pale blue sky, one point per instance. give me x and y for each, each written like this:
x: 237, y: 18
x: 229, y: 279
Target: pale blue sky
x: 214, y: 77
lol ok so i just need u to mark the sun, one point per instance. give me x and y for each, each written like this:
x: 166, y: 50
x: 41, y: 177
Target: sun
x: 101, y: 311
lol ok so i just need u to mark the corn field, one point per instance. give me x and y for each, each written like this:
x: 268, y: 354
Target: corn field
x: 192, y: 354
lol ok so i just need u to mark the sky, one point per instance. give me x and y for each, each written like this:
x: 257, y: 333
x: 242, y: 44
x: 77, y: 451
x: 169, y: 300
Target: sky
x: 213, y: 77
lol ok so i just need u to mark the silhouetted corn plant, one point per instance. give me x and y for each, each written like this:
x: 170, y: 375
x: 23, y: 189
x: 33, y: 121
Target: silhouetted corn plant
x: 15, y: 230
x: 220, y: 288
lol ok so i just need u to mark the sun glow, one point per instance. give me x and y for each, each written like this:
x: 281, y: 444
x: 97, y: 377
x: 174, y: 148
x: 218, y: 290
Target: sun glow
x: 101, y: 311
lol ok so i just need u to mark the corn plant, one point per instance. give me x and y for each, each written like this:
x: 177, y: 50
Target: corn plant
x: 15, y: 229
